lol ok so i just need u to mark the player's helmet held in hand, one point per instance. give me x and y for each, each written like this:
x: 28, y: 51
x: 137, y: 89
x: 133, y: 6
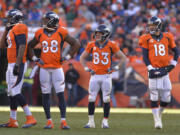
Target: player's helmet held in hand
x: 50, y: 20
x: 105, y: 33
x: 14, y: 16
x: 154, y: 25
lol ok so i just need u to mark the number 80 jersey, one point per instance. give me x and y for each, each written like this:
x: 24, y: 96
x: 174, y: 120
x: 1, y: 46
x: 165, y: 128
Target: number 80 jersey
x: 158, y: 51
x: 51, y: 46
x: 101, y: 55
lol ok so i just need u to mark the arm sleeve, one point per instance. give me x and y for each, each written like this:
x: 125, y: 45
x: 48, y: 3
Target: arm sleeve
x: 176, y: 53
x: 64, y: 32
x: 171, y: 41
x: 37, y: 34
x: 115, y: 48
x: 143, y: 42
x: 145, y: 56
x: 88, y: 48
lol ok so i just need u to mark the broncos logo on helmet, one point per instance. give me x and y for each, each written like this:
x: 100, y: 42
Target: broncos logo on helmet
x: 105, y: 33
x: 154, y: 25
x: 50, y: 20
x: 14, y: 16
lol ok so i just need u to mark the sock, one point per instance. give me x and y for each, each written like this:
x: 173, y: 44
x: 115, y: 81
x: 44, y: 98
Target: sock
x: 46, y: 105
x: 62, y: 119
x: 62, y: 104
x: 155, y: 112
x: 26, y: 110
x: 13, y: 107
x: 13, y: 114
x: 91, y: 108
x: 106, y: 110
x: 91, y: 117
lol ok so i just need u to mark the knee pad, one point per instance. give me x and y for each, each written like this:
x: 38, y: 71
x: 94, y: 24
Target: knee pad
x: 166, y: 96
x: 163, y: 104
x: 154, y: 104
x: 106, y: 99
x: 92, y: 98
x: 154, y: 95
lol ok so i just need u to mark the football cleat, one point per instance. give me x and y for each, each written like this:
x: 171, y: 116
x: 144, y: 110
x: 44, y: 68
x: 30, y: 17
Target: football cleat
x: 11, y: 124
x: 105, y: 123
x: 49, y: 125
x: 64, y: 125
x: 90, y: 124
x: 158, y: 124
x: 30, y: 121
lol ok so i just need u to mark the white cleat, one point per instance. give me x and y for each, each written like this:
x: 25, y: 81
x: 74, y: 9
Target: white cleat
x: 90, y: 124
x: 158, y: 124
x: 105, y: 123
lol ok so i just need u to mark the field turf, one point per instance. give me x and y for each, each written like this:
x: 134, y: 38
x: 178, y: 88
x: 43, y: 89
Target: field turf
x: 120, y: 123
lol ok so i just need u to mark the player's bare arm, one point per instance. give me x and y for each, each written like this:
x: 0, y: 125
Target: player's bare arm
x: 122, y: 58
x: 31, y: 54
x: 83, y: 58
x: 31, y: 46
x: 3, y: 42
x: 73, y: 43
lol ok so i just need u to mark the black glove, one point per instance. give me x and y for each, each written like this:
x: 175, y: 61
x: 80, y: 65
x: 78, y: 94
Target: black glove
x: 169, y: 68
x: 16, y: 70
x: 156, y: 73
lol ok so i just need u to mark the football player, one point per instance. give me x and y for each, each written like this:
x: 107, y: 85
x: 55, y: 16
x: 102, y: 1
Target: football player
x: 52, y: 37
x: 102, y: 50
x: 15, y: 39
x: 155, y: 45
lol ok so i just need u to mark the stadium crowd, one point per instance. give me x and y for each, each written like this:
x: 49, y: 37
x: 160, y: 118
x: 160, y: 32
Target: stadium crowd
x: 126, y: 18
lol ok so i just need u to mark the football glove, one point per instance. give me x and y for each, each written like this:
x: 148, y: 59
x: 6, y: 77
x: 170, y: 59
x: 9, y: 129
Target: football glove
x: 67, y: 57
x: 35, y: 59
x: 113, y: 68
x: 16, y: 70
x: 156, y: 73
x: 169, y: 68
x: 89, y: 70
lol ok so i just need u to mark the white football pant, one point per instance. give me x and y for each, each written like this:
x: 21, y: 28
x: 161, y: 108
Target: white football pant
x: 160, y: 88
x: 103, y: 82
x: 49, y: 77
x: 14, y: 83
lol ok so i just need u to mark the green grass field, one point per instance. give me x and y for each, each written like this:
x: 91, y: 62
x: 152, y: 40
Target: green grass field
x: 120, y: 124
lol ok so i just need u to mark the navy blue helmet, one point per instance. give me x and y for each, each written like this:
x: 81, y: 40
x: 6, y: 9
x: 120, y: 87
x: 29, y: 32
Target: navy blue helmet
x: 104, y: 30
x: 13, y: 16
x: 154, y: 25
x: 50, y: 20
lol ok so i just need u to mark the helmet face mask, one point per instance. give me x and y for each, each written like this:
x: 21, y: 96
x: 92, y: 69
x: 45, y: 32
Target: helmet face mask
x: 102, y: 33
x: 14, y: 16
x: 50, y: 21
x: 154, y: 25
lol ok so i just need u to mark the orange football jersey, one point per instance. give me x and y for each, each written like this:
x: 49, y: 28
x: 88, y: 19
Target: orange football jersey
x: 158, y: 50
x: 51, y: 46
x: 12, y: 48
x: 101, y: 55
